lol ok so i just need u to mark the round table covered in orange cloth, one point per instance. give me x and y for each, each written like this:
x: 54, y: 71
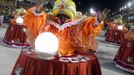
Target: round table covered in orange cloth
x: 16, y: 36
x: 124, y: 59
x: 31, y: 64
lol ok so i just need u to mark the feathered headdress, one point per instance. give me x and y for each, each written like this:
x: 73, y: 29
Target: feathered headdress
x: 67, y: 7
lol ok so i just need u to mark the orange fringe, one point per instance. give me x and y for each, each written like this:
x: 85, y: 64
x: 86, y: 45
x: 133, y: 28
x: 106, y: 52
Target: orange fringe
x: 34, y: 23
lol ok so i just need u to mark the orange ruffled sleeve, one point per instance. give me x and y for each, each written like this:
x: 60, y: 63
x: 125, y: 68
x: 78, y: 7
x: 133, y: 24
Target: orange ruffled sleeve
x: 85, y: 36
x: 88, y: 25
x: 33, y: 22
x: 97, y: 29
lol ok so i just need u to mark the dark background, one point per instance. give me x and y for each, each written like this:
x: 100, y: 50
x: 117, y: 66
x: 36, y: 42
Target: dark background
x: 113, y: 5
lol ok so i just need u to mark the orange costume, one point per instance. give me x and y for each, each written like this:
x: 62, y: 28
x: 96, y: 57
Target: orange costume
x: 75, y: 34
x: 34, y: 21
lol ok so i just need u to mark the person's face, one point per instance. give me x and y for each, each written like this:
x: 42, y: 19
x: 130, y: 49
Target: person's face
x: 62, y: 18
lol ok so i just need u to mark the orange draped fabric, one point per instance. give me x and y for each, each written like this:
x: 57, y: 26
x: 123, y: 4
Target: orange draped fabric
x: 65, y: 43
x: 85, y: 38
x: 34, y: 23
x: 33, y: 65
x: 88, y: 25
x: 97, y: 29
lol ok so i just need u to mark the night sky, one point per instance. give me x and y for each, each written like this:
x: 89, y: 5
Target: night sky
x: 84, y: 5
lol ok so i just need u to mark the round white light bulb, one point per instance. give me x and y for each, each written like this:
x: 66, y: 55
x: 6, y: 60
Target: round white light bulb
x: 129, y: 4
x: 19, y: 20
x: 120, y: 27
x: 92, y: 12
x: 47, y: 43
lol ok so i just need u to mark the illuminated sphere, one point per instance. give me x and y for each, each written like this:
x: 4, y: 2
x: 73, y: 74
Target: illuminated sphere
x: 19, y: 20
x: 120, y: 27
x: 47, y: 43
x: 92, y: 12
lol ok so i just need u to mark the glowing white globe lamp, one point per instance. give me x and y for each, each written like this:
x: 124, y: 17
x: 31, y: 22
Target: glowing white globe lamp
x: 46, y: 44
x: 92, y: 12
x: 125, y: 7
x: 19, y: 20
x: 129, y: 4
x: 120, y: 27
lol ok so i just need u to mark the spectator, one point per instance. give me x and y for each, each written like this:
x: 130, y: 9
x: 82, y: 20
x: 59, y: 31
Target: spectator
x: 1, y: 19
x: 106, y: 25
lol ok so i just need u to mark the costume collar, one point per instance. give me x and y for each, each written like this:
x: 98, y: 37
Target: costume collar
x: 65, y: 25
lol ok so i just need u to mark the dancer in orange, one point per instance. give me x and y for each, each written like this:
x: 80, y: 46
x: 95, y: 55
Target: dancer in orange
x: 75, y: 33
x: 34, y: 19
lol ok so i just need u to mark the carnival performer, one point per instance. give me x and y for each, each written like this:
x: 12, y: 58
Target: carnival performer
x: 116, y: 32
x: 1, y: 19
x: 15, y: 35
x: 124, y: 58
x: 76, y: 32
x: 34, y: 20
